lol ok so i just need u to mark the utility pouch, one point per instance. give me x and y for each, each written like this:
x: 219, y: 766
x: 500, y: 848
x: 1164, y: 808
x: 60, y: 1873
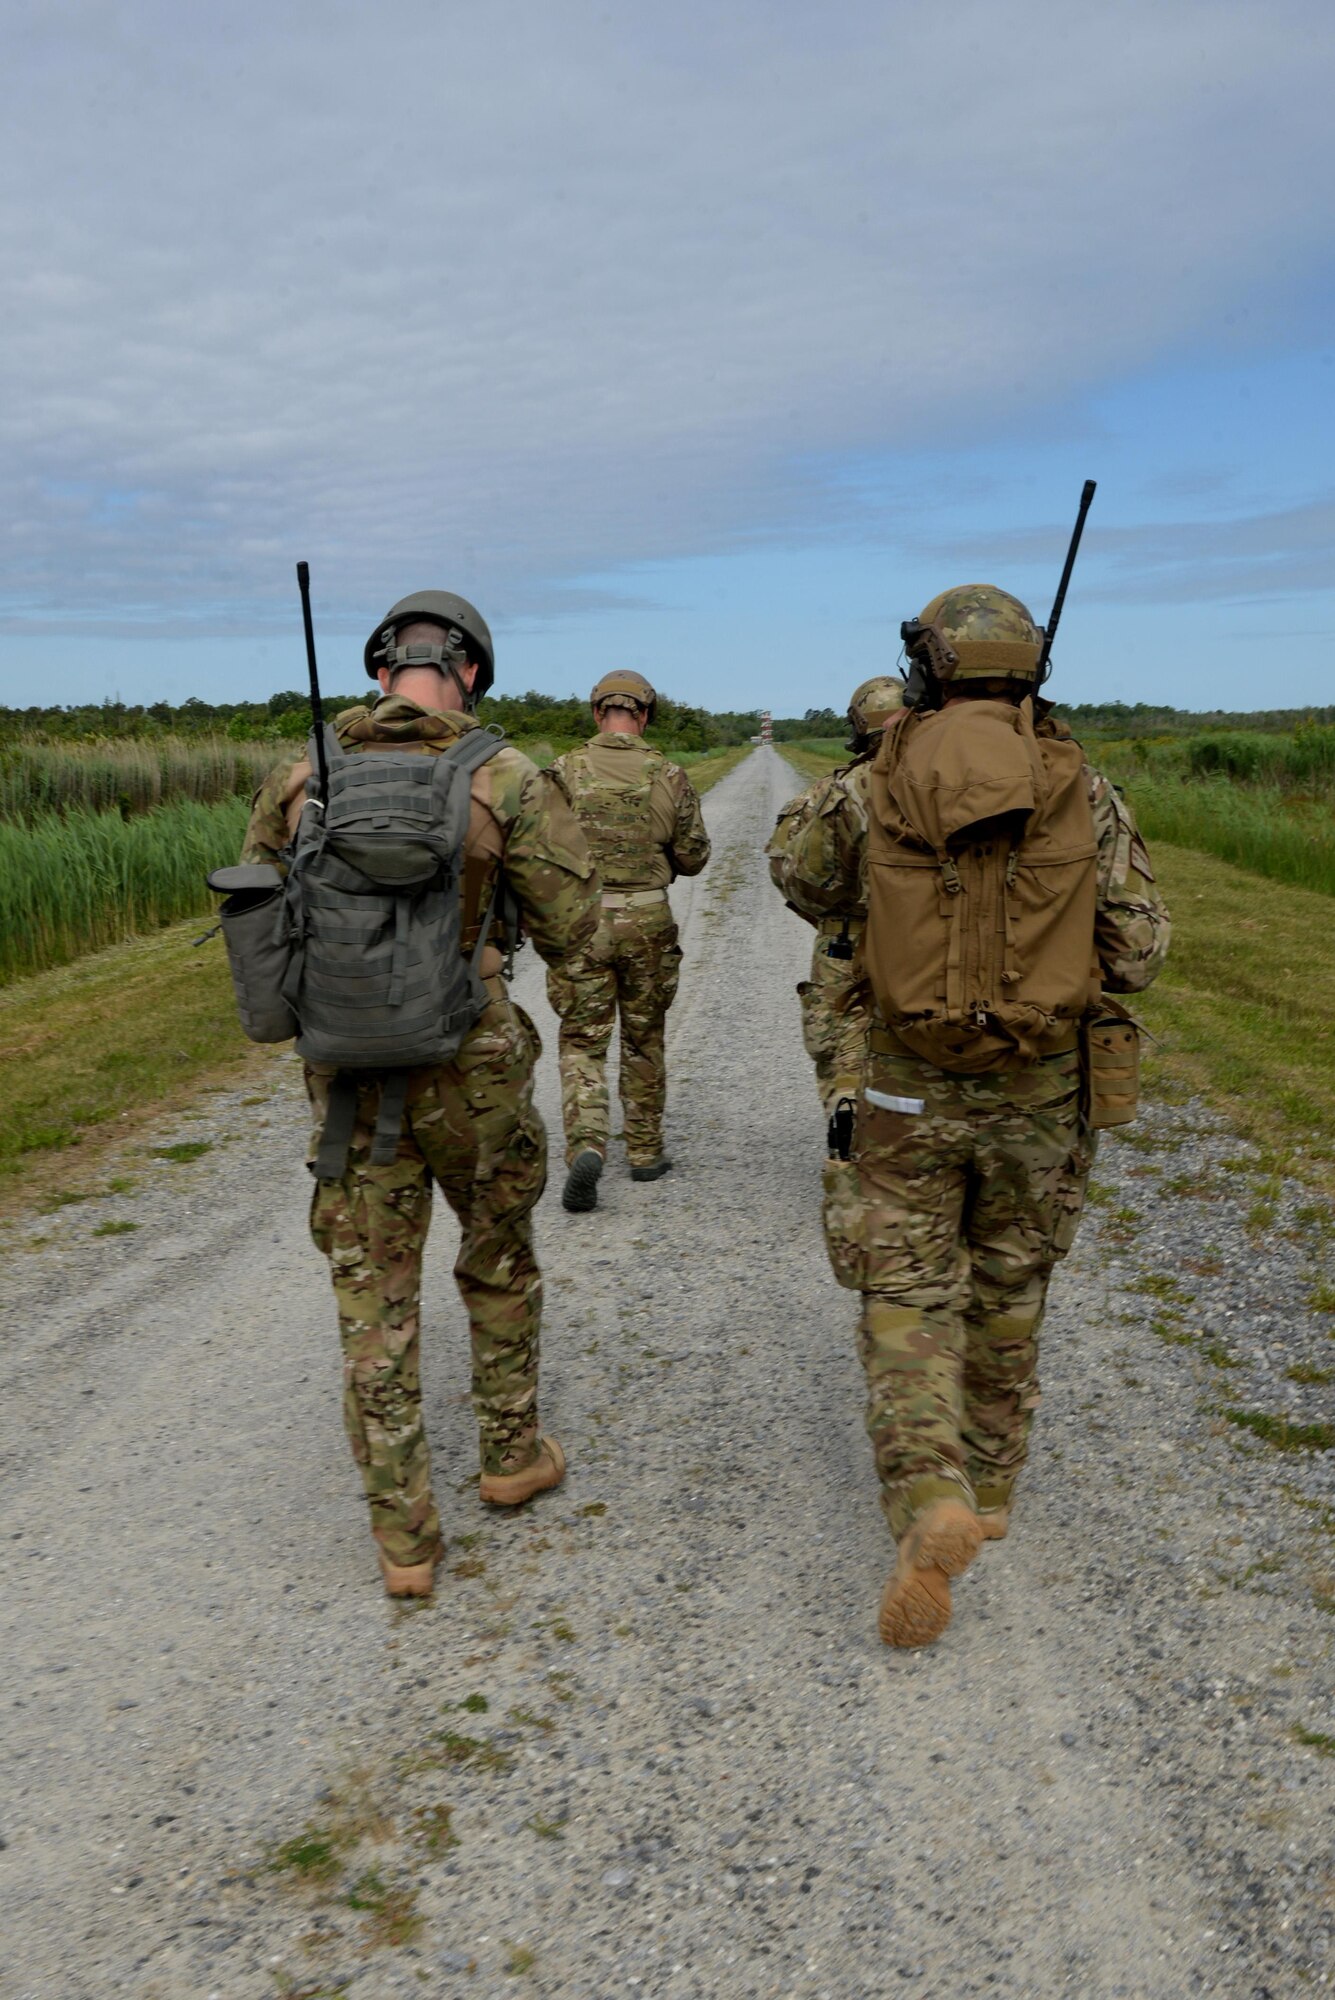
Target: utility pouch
x: 1110, y: 1051
x: 259, y: 947
x: 844, y: 1216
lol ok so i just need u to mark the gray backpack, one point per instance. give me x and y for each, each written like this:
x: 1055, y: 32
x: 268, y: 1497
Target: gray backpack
x: 359, y: 952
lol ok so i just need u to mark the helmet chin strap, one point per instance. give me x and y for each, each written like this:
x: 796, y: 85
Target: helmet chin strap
x: 447, y: 658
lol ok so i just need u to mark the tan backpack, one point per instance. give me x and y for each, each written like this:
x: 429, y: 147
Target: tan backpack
x: 981, y: 886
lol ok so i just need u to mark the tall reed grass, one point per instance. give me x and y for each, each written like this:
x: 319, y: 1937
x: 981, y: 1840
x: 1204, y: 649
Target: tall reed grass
x: 132, y: 776
x: 1301, y: 762
x: 72, y: 882
x: 1255, y: 826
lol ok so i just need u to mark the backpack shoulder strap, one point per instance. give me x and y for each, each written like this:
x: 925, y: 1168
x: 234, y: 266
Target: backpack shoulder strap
x: 473, y: 749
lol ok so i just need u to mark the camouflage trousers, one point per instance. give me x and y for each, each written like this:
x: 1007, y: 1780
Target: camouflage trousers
x: 471, y: 1125
x: 949, y: 1222
x: 835, y: 1017
x: 630, y: 967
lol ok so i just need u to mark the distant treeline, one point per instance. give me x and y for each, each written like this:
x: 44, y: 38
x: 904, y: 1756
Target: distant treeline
x: 1142, y: 718
x: 286, y: 717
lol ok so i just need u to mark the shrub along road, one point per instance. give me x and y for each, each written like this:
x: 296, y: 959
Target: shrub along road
x: 645, y: 1739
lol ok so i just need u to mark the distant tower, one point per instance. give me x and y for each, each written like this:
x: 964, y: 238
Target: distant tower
x: 766, y: 727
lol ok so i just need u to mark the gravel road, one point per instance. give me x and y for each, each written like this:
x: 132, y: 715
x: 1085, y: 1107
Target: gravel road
x: 645, y: 1740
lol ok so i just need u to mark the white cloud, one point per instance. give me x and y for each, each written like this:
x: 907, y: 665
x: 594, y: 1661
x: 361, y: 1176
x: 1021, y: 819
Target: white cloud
x: 496, y: 297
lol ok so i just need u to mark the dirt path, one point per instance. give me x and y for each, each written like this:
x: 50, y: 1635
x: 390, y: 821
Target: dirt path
x: 653, y: 1712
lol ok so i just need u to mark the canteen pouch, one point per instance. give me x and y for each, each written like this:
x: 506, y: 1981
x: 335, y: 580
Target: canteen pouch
x: 1110, y: 1043
x: 259, y: 946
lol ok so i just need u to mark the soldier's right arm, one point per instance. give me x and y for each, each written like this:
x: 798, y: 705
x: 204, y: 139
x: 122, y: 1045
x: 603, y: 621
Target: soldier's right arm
x: 688, y: 848
x: 546, y: 860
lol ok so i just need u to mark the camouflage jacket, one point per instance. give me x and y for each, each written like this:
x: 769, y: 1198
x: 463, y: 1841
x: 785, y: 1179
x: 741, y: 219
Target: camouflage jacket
x: 640, y: 813
x: 821, y: 869
x: 818, y: 850
x: 520, y: 820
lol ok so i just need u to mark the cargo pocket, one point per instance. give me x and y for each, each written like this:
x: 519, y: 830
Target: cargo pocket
x: 843, y: 1214
x: 528, y: 1029
x: 1071, y: 1193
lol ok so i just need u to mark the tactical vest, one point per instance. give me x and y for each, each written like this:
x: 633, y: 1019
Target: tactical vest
x: 981, y: 886
x: 611, y: 796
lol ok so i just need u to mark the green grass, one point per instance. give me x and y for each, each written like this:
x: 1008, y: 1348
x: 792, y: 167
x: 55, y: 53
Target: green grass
x: 130, y: 776
x: 1288, y: 837
x: 814, y: 756
x: 706, y: 767
x: 1315, y: 1739
x: 91, y: 1050
x: 1245, y: 1008
x: 1282, y: 1432
x: 312, y: 1854
x: 76, y: 882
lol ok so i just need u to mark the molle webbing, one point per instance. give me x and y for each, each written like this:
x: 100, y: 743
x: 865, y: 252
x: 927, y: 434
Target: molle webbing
x: 379, y: 981
x: 611, y: 793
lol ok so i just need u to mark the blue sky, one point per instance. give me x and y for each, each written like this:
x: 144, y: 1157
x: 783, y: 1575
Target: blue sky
x: 714, y: 346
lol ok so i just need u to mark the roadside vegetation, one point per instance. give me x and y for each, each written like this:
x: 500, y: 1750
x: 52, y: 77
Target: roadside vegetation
x: 76, y: 881
x: 111, y: 837
x: 88, y: 1051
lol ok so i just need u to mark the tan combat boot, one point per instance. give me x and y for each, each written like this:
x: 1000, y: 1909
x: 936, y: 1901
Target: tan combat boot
x: 407, y: 1579
x: 940, y: 1543
x: 994, y: 1511
x: 511, y: 1489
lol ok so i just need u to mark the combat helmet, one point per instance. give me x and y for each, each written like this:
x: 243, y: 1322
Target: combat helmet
x: 976, y: 631
x: 624, y: 688
x: 464, y: 636
x: 870, y: 708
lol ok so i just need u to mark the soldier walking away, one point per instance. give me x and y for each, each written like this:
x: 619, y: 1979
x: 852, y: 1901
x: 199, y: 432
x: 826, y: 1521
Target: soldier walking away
x: 1009, y: 897
x: 642, y: 820
x: 835, y: 999
x: 384, y: 1133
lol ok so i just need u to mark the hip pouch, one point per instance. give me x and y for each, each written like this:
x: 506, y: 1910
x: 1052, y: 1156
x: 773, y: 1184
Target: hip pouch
x: 1110, y: 1048
x: 259, y: 947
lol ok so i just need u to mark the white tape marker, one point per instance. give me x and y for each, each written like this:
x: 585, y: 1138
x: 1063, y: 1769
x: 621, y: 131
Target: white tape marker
x: 879, y: 1098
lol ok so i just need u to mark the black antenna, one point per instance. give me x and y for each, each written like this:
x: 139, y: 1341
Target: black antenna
x: 1086, y: 497
x: 317, y: 706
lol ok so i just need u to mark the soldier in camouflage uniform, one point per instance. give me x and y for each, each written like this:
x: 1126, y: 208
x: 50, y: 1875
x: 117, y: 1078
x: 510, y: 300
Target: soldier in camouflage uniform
x: 470, y: 1124
x: 642, y: 820
x: 965, y: 1185
x: 834, y: 809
